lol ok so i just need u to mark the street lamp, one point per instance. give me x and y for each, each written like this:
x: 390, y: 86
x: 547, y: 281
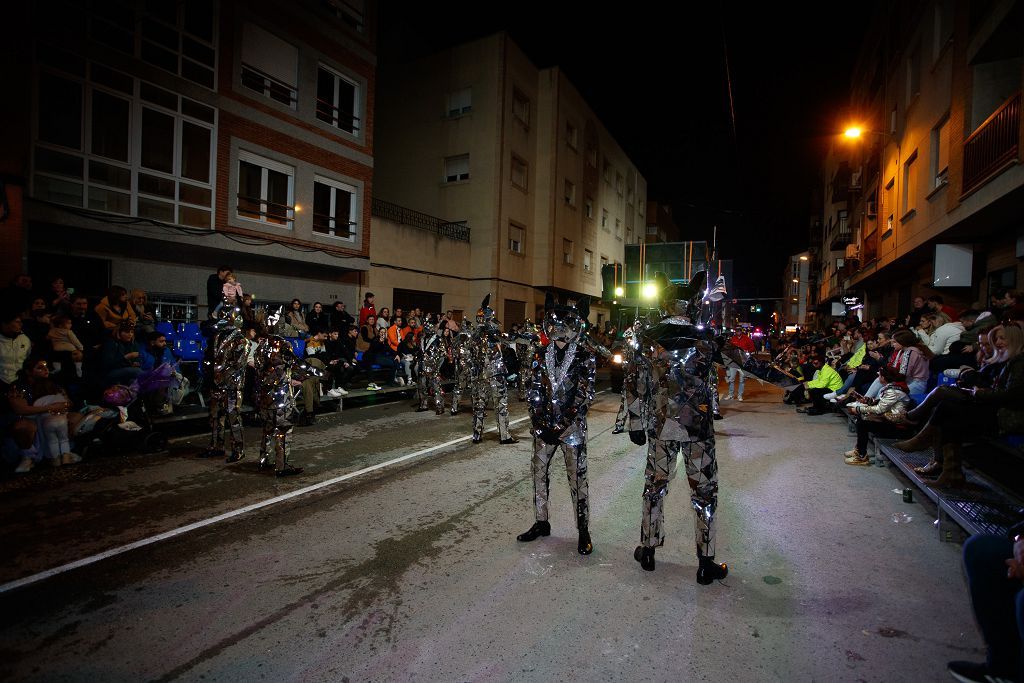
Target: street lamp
x: 650, y: 291
x: 803, y: 258
x: 619, y: 291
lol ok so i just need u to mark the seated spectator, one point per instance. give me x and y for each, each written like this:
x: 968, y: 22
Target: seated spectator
x: 961, y: 351
x: 40, y: 411
x: 60, y: 297
x: 156, y: 353
x: 944, y: 336
x: 977, y: 412
x: 19, y: 293
x: 910, y: 358
x: 114, y: 308
x: 868, y: 361
x: 825, y: 380
x: 396, y: 331
x: 340, y: 358
x: 381, y: 354
x: 120, y: 361
x: 885, y: 416
x: 367, y: 333
x: 145, y: 321
x: 1008, y: 304
x: 918, y: 309
x: 936, y: 305
x: 63, y: 340
x: 340, y: 318
x: 315, y: 344
x: 37, y: 324
x: 15, y: 347
x: 926, y: 328
x: 318, y: 319
x: 384, y: 318
x: 407, y: 349
x: 87, y: 326
x: 297, y: 319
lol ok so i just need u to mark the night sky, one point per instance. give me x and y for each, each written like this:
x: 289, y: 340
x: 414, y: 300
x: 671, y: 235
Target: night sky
x: 658, y: 82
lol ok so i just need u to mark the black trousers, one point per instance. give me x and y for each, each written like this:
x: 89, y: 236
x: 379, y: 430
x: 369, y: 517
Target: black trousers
x: 882, y: 428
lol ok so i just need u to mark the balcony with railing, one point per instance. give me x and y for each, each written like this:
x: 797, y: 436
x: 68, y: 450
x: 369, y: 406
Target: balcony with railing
x: 993, y: 145
x: 453, y: 230
x: 842, y: 234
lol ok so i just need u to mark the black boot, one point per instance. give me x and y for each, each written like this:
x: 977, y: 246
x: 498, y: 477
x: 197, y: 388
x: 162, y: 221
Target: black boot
x: 510, y: 440
x: 235, y: 457
x: 645, y: 556
x: 618, y: 430
x: 710, y: 570
x: 538, y: 529
x: 585, y: 546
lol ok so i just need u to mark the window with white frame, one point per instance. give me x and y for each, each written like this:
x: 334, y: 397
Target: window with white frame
x: 521, y: 107
x: 567, y: 252
x: 460, y: 102
x: 266, y: 190
x: 516, y: 237
x: 178, y: 37
x: 270, y: 65
x: 588, y: 204
x: 940, y: 153
x: 520, y: 175
x: 910, y: 185
x: 334, y: 208
x: 570, y: 192
x: 456, y: 168
x: 618, y: 228
x: 144, y: 152
x: 337, y: 100
x: 588, y: 256
x: 571, y: 135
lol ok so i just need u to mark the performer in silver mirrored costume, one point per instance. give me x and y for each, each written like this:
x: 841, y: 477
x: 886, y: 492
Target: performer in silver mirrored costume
x: 525, y: 342
x: 675, y: 371
x: 461, y: 349
x: 429, y: 358
x: 629, y: 353
x: 230, y: 358
x: 488, y: 374
x: 277, y: 367
x: 561, y: 391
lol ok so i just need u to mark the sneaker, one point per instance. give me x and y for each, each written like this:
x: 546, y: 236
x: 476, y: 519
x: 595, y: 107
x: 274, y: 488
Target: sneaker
x: 829, y: 396
x: 372, y: 387
x: 334, y: 393
x: 852, y: 453
x: 70, y: 458
x: 859, y: 460
x: 970, y: 672
x: 401, y: 381
x: 740, y: 399
x: 341, y: 392
x: 26, y: 465
x: 727, y: 397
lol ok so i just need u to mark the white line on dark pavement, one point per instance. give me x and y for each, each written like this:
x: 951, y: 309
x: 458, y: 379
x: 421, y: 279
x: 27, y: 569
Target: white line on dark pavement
x: 41, y: 576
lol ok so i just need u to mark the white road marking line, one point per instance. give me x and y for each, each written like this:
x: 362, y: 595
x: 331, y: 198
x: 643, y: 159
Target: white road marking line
x: 42, y: 576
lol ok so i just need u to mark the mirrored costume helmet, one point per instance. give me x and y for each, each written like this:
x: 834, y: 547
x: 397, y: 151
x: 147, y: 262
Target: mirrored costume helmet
x: 485, y: 316
x: 565, y: 322
x: 681, y: 300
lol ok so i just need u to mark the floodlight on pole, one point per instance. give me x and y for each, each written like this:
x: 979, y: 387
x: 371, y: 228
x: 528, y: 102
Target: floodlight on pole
x: 619, y: 291
x: 650, y: 291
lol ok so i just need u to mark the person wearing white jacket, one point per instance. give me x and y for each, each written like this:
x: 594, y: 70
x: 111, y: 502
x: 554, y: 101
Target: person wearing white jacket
x: 942, y: 338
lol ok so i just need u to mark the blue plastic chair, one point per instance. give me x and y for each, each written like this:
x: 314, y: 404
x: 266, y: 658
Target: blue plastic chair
x: 945, y: 381
x: 190, y: 349
x: 167, y: 329
x: 298, y: 346
x: 190, y: 331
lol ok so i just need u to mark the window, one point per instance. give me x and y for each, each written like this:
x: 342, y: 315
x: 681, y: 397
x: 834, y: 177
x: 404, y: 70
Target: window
x: 588, y: 204
x: 571, y: 135
x: 890, y: 202
x: 618, y: 228
x: 521, y: 107
x: 266, y: 190
x: 914, y: 74
x: 587, y: 257
x: 334, y: 208
x: 456, y: 168
x: 520, y: 175
x: 607, y: 171
x: 652, y: 229
x: 604, y: 218
x: 350, y: 12
x: 619, y: 184
x: 604, y: 262
x: 269, y: 65
x: 909, y: 185
x: 516, y: 234
x: 794, y: 288
x: 592, y: 156
x: 940, y: 153
x: 148, y: 155
x: 570, y: 192
x: 943, y: 26
x: 567, y: 257
x: 337, y: 100
x: 460, y: 102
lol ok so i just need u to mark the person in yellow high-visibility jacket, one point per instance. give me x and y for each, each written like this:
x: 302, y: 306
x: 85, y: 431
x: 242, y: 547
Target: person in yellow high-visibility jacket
x: 825, y: 380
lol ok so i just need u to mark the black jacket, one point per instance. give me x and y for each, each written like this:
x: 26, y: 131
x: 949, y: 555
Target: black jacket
x: 341, y: 320
x: 214, y: 293
x: 318, y: 322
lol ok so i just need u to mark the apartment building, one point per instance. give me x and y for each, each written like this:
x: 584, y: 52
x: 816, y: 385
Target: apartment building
x: 514, y: 186
x: 795, y: 304
x: 158, y: 140
x: 929, y: 198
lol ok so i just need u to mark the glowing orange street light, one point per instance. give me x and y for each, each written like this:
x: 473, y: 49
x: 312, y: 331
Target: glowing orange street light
x: 853, y: 132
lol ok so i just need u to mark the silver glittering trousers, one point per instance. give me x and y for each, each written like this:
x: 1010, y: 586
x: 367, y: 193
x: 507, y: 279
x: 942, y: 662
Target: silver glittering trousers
x: 575, y: 468
x: 620, y: 417
x: 277, y: 431
x: 226, y: 416
x: 496, y: 388
x: 702, y: 475
x: 430, y: 382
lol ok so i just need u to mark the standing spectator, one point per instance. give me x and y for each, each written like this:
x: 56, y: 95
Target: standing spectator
x: 740, y: 340
x: 14, y: 346
x: 367, y: 309
x: 63, y: 340
x: 919, y: 309
x: 145, y: 321
x: 87, y: 326
x: 215, y: 289
x: 297, y: 319
x: 60, y: 297
x: 384, y: 319
x: 113, y: 309
x: 341, y: 319
x: 318, y: 319
x: 119, y: 357
x: 407, y: 349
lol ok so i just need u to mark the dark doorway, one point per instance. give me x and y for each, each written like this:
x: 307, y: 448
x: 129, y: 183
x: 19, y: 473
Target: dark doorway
x: 515, y: 313
x: 408, y: 299
x: 88, y: 276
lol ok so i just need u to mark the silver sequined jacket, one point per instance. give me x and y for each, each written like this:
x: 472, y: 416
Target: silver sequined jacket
x: 230, y: 358
x: 892, y: 405
x: 559, y: 402
x: 276, y: 367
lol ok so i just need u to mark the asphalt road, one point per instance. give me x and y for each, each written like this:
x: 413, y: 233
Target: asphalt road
x: 412, y: 572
